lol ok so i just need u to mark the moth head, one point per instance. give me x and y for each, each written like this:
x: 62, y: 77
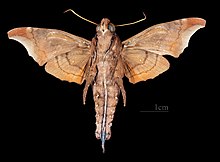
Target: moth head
x: 105, y: 26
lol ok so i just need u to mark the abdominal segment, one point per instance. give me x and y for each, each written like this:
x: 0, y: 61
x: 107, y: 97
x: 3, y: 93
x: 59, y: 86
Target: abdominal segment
x: 105, y: 104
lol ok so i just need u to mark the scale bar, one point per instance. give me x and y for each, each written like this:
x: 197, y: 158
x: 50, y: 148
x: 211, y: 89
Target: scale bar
x: 155, y: 111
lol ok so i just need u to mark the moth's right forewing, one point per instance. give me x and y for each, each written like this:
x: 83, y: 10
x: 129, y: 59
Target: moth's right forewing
x: 143, y: 53
x: 66, y: 55
x: 169, y: 38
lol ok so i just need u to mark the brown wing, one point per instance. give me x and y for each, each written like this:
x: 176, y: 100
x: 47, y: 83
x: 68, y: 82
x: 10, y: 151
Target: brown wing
x: 65, y: 55
x: 142, y: 53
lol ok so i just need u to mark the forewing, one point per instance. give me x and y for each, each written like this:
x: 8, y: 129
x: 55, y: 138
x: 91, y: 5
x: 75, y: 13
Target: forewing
x: 143, y: 52
x: 66, y: 55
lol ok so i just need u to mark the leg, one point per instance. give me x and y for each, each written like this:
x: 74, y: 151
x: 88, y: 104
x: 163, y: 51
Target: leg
x: 119, y: 82
x: 89, y: 80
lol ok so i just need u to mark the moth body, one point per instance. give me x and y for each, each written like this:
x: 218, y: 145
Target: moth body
x: 105, y: 88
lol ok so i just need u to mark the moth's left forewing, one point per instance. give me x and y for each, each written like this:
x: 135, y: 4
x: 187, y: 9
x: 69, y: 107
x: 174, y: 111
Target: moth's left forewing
x: 169, y: 38
x: 64, y: 55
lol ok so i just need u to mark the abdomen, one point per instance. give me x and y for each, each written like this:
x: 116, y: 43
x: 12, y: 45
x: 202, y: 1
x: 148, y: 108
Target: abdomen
x: 105, y: 93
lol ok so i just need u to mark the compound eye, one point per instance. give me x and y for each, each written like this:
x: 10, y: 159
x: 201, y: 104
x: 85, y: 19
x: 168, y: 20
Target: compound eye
x: 111, y: 27
x: 97, y: 27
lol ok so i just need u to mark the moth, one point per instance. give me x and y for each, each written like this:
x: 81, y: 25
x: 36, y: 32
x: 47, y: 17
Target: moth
x: 105, y: 60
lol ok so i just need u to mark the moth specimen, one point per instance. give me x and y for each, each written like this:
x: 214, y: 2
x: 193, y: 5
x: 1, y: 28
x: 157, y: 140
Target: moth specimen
x: 105, y: 60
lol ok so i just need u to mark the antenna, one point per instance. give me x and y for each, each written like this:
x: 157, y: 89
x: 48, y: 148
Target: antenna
x: 80, y: 16
x: 134, y: 22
